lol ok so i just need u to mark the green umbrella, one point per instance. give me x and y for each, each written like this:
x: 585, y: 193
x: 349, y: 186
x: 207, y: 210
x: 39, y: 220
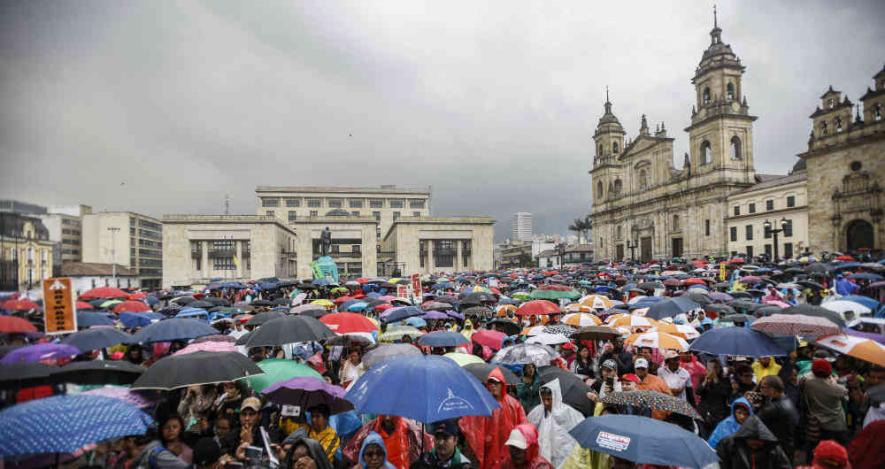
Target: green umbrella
x: 520, y: 295
x: 554, y: 295
x: 276, y: 370
x: 109, y: 303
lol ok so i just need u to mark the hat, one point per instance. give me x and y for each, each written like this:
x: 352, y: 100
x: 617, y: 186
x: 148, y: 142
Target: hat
x: 495, y: 379
x: 206, y: 451
x: 251, y: 403
x: 448, y: 427
x: 668, y: 354
x: 832, y: 454
x: 517, y: 439
x: 631, y: 377
x: 610, y: 364
x: 821, y: 367
x: 568, y: 346
x: 641, y: 363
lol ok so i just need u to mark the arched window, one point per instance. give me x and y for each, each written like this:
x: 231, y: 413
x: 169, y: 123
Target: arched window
x: 706, y: 153
x: 830, y: 103
x: 615, y: 147
x: 877, y: 112
x: 643, y: 179
x: 600, y: 149
x: 729, y: 92
x: 706, y: 95
x: 735, y: 148
x: 823, y: 128
x: 837, y: 123
x: 618, y: 186
x: 675, y: 222
x: 618, y: 232
x: 599, y: 189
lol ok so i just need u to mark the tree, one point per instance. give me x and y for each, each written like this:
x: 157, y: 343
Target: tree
x: 581, y: 226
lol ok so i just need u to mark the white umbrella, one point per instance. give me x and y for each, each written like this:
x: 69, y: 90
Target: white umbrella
x: 547, y: 339
x: 844, y: 306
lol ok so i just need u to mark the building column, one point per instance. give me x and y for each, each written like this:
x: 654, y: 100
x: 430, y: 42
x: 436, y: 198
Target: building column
x: 204, y: 252
x: 429, y: 264
x: 239, y: 266
x: 459, y: 260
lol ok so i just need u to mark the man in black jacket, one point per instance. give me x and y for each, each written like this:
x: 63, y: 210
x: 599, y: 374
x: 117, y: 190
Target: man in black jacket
x: 753, y: 446
x: 778, y: 413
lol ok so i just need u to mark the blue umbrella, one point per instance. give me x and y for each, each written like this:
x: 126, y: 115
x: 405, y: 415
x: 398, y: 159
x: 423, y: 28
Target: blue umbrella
x: 173, y: 329
x: 66, y: 423
x: 96, y: 338
x: 86, y: 320
x: 424, y: 388
x: 39, y: 352
x: 136, y: 320
x: 403, y: 312
x: 443, y: 339
x: 671, y: 307
x: 357, y: 306
x: 195, y: 313
x: 644, y: 441
x: 736, y: 341
x: 417, y: 322
x: 863, y: 300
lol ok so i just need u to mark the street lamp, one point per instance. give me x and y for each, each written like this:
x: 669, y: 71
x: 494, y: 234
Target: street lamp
x: 561, y: 249
x: 768, y: 227
x: 632, y: 247
x: 114, y: 230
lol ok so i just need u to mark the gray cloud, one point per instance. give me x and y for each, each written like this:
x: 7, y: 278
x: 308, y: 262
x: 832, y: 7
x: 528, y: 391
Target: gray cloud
x: 165, y: 107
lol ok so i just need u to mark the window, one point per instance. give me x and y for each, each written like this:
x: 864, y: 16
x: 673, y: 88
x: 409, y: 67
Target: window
x: 416, y: 214
x: 314, y: 203
x: 737, y: 210
x: 356, y: 249
x: 749, y: 232
x: 270, y: 202
x: 223, y: 263
x: 729, y: 92
x: 614, y: 147
x: 735, y: 148
x: 355, y: 203
x: 269, y: 213
x: 643, y: 179
x: 397, y: 203
x: 837, y: 123
x: 416, y: 203
x: 618, y: 186
x: 396, y: 216
x: 314, y: 213
x: 675, y: 222
x: 788, y: 229
x: 335, y: 203
x: 791, y: 201
x: 377, y: 215
x: 600, y: 149
x: 619, y: 232
x: 599, y: 189
x: 293, y: 202
x: 830, y: 103
x: 749, y: 251
x: 877, y: 112
x: 444, y: 252
x: 376, y: 203
x: 706, y: 95
x: 706, y: 153
x: 766, y: 232
x: 355, y: 213
x: 823, y: 128
x: 768, y: 251
x: 706, y: 227
x: 733, y: 232
x: 752, y: 207
x: 788, y: 250
x: 769, y: 204
x: 293, y: 215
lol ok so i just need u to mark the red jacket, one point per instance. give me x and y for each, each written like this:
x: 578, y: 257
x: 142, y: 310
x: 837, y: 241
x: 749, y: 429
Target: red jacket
x: 486, y: 435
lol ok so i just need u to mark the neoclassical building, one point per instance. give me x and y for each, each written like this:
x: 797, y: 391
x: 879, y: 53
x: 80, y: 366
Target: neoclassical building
x: 642, y: 204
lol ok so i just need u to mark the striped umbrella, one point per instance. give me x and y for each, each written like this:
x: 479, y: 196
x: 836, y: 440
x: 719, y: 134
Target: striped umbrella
x: 810, y: 327
x: 581, y: 320
x: 679, y: 330
x: 630, y: 320
x: 658, y: 340
x: 597, y: 301
x: 577, y: 308
x: 857, y: 347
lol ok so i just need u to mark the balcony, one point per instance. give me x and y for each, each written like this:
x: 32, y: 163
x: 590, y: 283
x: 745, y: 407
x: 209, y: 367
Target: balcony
x: 222, y: 253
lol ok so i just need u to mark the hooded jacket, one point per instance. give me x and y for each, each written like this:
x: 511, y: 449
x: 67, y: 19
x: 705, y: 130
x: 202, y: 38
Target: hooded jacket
x: 314, y: 449
x: 533, y: 459
x: 553, y: 438
x: 729, y: 425
x: 403, y: 445
x: 486, y: 435
x: 734, y: 453
x: 374, y: 439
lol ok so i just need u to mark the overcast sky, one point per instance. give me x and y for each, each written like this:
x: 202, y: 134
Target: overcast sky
x: 165, y: 107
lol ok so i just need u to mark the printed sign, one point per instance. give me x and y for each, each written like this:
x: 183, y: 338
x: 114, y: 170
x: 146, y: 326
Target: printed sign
x: 416, y: 285
x: 612, y: 441
x: 59, y: 314
x: 722, y: 274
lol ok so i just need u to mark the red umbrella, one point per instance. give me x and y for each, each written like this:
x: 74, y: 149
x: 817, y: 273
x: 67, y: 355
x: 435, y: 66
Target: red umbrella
x: 695, y: 281
x: 14, y: 325
x: 84, y: 305
x: 537, y: 307
x: 342, y: 299
x: 137, y: 296
x: 362, y: 280
x: 20, y: 305
x: 672, y: 282
x: 383, y: 307
x: 845, y: 258
x: 348, y: 323
x: 737, y: 260
x: 131, y: 307
x: 751, y: 279
x: 104, y: 292
x: 489, y: 338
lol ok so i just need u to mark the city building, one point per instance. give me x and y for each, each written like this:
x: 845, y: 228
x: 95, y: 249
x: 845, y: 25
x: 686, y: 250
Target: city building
x: 572, y: 254
x: 65, y: 225
x: 199, y: 249
x: 24, y: 208
x: 354, y: 245
x: 846, y: 168
x: 25, y: 252
x: 125, y: 238
x: 522, y: 226
x: 86, y: 276
x: 437, y: 244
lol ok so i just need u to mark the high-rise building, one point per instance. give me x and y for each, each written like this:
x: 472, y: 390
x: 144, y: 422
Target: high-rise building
x: 522, y: 226
x: 128, y: 239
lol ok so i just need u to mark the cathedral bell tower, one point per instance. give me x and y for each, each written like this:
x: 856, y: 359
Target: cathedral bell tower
x: 721, y: 130
x: 608, y: 140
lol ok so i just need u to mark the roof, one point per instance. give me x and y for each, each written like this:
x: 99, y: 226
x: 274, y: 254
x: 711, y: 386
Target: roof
x: 579, y: 248
x: 223, y: 219
x: 767, y: 181
x: 94, y: 269
x: 384, y: 189
x: 548, y: 253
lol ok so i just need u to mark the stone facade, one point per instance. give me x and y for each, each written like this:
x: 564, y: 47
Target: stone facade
x: 25, y: 252
x: 845, y: 161
x: 200, y: 248
x: 439, y: 244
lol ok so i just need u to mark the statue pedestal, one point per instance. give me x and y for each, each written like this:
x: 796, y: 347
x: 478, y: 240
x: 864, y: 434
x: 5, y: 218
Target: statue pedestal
x: 325, y: 268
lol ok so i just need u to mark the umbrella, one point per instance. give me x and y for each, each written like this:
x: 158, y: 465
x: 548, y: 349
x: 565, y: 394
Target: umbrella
x: 478, y: 298
x: 131, y: 307
x: 843, y: 307
x: 39, y: 352
x: 658, y: 340
x: 207, y: 347
x: 864, y: 300
x: 537, y: 307
x: 857, y: 347
x: 426, y: 388
x: 433, y: 315
x: 463, y: 359
x: 520, y: 354
x: 416, y: 322
x: 547, y: 339
x: 66, y: 423
x: 87, y: 320
x: 480, y: 311
x: 595, y: 333
x: 178, y: 371
x: 124, y: 394
x: 398, y: 314
x: 16, y: 325
x: 481, y: 372
x: 644, y: 441
x: 19, y: 305
x: 173, y: 329
x: 671, y: 307
x: 104, y: 292
x: 505, y: 326
x: 135, y: 320
x: 396, y: 333
x: 215, y: 338
x: 98, y: 372
x: 489, y: 338
x: 683, y: 331
x: 442, y: 339
x: 652, y: 400
x: 810, y: 327
x: 96, y: 338
x: 596, y: 302
x: 309, y: 310
x: 436, y: 305
x: 574, y: 389
x: 289, y: 330
x: 22, y: 375
x: 307, y: 392
x: 581, y: 320
x: 736, y: 341
x: 386, y: 352
x: 811, y: 310
x: 276, y: 370
x: 262, y: 318
x: 737, y: 318
x: 630, y: 321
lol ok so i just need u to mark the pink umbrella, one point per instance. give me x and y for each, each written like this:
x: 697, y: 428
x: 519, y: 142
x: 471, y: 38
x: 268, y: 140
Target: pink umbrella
x: 779, y: 304
x: 489, y: 338
x: 124, y: 394
x: 207, y: 347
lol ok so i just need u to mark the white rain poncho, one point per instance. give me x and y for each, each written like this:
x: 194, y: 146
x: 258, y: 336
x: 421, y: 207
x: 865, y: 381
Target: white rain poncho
x: 553, y: 427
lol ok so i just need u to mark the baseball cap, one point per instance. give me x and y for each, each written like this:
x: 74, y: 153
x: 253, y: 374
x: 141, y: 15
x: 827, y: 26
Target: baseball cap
x: 641, y: 363
x: 448, y: 427
x: 610, y: 364
x: 668, y: 354
x: 517, y: 439
x: 251, y: 403
x: 631, y: 377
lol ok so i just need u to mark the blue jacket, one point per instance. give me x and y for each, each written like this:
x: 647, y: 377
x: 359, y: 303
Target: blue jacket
x: 374, y: 439
x: 728, y: 425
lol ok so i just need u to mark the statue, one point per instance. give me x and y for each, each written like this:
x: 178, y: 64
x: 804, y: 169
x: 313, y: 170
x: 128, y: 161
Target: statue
x: 326, y: 241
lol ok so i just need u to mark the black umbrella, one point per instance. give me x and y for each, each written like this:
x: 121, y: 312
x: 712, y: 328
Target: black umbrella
x: 184, y: 300
x: 737, y: 318
x: 173, y: 329
x: 96, y: 338
x: 448, y: 299
x: 262, y: 303
x: 262, y: 318
x: 574, y: 390
x: 650, y: 285
x: 288, y: 330
x: 22, y: 375
x: 478, y: 298
x: 652, y: 400
x: 482, y: 370
x: 810, y: 284
x: 280, y: 302
x: 200, y: 304
x: 767, y: 310
x: 244, y: 338
x: 719, y: 309
x: 216, y: 301
x: 818, y: 267
x: 595, y: 333
x: 743, y: 305
x: 178, y: 371
x: 811, y: 310
x: 481, y: 311
x: 671, y: 307
x: 505, y: 326
x: 98, y: 372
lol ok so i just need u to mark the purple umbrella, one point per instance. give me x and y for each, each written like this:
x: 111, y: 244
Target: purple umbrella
x: 307, y: 392
x: 39, y: 352
x: 866, y: 335
x: 435, y: 315
x: 720, y: 296
x: 455, y: 315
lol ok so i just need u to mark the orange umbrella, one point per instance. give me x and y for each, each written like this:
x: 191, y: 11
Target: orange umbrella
x: 857, y: 347
x: 581, y: 320
x: 658, y: 340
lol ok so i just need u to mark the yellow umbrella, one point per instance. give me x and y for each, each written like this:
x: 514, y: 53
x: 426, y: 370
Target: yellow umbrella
x: 323, y: 302
x: 502, y: 310
x: 658, y: 340
x: 597, y: 301
x: 630, y: 320
x: 463, y: 359
x: 857, y: 347
x: 581, y: 320
x: 578, y: 308
x: 679, y: 330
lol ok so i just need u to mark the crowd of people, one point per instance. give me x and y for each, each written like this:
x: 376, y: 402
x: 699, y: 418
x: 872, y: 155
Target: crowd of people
x: 553, y: 348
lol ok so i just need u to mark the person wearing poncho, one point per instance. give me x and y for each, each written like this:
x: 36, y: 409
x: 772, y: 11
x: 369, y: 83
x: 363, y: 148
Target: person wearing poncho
x: 522, y: 450
x: 554, y: 419
x: 486, y: 435
x: 740, y: 411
